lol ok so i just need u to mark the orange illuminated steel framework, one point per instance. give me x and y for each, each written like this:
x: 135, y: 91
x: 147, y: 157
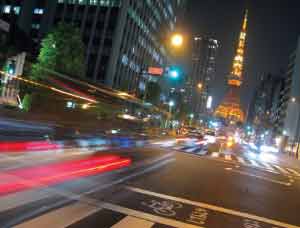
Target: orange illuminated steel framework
x: 230, y: 108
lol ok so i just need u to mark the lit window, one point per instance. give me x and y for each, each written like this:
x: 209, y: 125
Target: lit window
x: 35, y: 26
x: 38, y: 11
x: 93, y: 2
x: 6, y: 9
x: 17, y: 10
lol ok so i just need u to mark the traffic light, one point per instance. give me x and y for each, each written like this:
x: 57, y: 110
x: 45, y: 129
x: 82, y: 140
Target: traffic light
x: 174, y: 72
x: 11, y: 68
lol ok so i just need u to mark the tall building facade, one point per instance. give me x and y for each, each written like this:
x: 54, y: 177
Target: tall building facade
x: 33, y: 17
x: 122, y: 37
x: 265, y: 102
x: 289, y: 121
x: 230, y: 108
x: 203, y: 72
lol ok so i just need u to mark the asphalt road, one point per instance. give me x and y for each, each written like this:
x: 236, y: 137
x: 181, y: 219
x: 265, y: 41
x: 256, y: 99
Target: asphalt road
x: 162, y: 188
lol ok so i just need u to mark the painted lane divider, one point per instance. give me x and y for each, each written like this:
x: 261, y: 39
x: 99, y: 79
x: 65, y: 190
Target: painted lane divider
x: 204, y: 210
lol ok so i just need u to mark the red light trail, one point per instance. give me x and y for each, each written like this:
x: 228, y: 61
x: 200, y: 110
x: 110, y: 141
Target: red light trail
x: 40, y: 176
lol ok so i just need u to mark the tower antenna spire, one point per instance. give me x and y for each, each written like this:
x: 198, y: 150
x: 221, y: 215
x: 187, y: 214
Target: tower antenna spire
x: 230, y: 108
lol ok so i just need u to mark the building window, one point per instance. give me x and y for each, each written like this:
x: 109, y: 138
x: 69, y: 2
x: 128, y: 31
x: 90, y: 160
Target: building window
x: 35, y: 26
x: 17, y: 10
x: 38, y: 11
x: 6, y: 9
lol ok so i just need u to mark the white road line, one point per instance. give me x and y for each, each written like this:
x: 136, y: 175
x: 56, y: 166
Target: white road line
x: 215, y: 154
x: 267, y: 165
x: 129, y: 221
x: 201, y: 152
x: 21, y: 198
x: 149, y: 217
x: 254, y: 163
x: 241, y: 160
x: 293, y: 172
x: 178, y: 147
x: 215, y: 208
x: 192, y: 149
x: 281, y: 169
x: 228, y: 157
x: 262, y: 177
x: 62, y: 217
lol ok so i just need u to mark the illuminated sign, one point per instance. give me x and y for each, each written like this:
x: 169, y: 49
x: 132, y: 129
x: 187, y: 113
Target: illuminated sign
x: 155, y: 70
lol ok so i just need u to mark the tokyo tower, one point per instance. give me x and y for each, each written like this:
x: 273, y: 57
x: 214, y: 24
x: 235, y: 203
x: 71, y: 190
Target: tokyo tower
x: 230, y: 108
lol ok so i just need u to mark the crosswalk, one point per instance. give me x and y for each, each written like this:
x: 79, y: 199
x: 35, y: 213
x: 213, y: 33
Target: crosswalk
x: 80, y: 214
x: 240, y: 159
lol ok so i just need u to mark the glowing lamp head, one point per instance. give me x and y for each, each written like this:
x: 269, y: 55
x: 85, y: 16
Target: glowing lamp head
x: 177, y: 40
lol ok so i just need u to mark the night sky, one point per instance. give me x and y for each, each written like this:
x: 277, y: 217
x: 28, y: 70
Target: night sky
x: 273, y: 30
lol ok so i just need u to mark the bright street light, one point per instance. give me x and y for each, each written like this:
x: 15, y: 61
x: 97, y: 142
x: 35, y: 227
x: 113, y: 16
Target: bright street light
x: 171, y: 103
x: 192, y: 115
x: 293, y: 99
x: 177, y: 40
x: 200, y: 85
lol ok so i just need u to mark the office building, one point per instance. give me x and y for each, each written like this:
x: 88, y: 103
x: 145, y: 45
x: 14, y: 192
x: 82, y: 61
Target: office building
x: 122, y: 37
x: 203, y: 71
x: 265, y: 102
x: 289, y: 121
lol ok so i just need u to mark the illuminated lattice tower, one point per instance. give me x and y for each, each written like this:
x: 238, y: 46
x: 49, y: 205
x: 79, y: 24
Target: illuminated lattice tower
x: 230, y: 107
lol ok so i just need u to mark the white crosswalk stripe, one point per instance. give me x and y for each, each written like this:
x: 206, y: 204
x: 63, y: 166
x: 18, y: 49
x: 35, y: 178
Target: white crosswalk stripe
x: 228, y: 157
x: 79, y: 214
x: 293, y: 172
x: 215, y: 154
x: 282, y: 170
x: 268, y: 166
x: 70, y: 215
x: 254, y: 163
x: 192, y: 149
x: 241, y: 160
x: 234, y: 158
x: 178, y: 147
x: 129, y: 221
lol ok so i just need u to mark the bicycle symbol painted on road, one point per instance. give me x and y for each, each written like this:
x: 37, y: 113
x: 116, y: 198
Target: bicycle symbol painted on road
x: 165, y: 208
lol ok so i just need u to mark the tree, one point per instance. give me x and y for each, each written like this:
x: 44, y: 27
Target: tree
x: 62, y: 50
x: 27, y: 102
x: 153, y: 91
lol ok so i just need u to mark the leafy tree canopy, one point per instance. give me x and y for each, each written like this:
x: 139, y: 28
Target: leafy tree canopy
x: 62, y: 50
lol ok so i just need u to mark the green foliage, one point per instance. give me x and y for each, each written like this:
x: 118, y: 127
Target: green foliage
x: 153, y: 92
x: 27, y: 102
x: 62, y: 50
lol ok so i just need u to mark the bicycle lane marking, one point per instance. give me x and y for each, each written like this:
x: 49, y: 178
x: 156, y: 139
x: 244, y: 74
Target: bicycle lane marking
x: 194, y: 213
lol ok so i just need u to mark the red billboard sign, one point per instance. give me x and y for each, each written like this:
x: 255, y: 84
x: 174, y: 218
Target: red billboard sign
x: 155, y: 71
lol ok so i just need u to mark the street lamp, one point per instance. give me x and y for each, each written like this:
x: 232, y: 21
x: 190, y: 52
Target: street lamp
x: 177, y: 40
x: 171, y: 104
x: 191, y: 118
x: 200, y: 85
x: 293, y: 99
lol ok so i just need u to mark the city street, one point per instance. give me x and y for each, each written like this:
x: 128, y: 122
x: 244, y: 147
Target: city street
x: 162, y: 187
x: 149, y: 114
